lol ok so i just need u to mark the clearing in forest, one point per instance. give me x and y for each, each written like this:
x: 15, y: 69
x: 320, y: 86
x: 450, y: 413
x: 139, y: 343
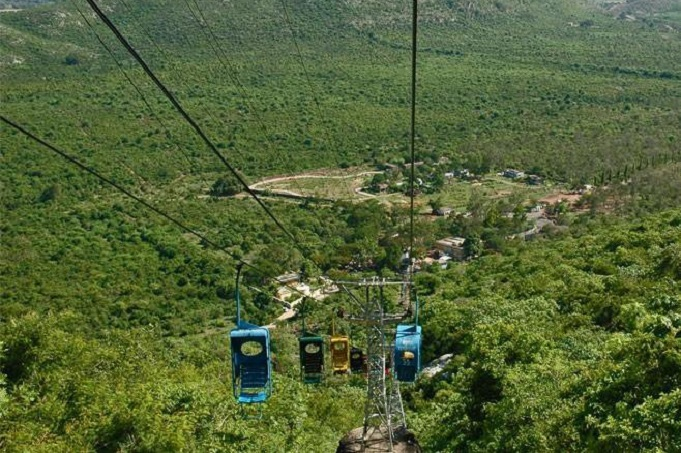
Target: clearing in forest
x: 352, y: 184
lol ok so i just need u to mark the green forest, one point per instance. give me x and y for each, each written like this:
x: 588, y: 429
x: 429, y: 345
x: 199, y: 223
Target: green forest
x: 559, y: 336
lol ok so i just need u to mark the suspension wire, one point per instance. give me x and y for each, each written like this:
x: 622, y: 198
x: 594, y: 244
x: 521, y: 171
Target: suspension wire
x: 118, y: 187
x: 222, y: 57
x: 413, y: 131
x: 162, y: 52
x: 388, y: 59
x: 130, y: 81
x: 315, y: 98
x: 158, y: 119
x: 354, y: 298
x: 413, y: 111
x: 206, y: 140
x: 145, y: 32
x: 53, y: 87
x: 413, y: 108
x: 231, y: 72
x: 185, y: 115
x: 227, y: 64
x: 129, y: 194
x: 164, y: 55
x: 378, y: 58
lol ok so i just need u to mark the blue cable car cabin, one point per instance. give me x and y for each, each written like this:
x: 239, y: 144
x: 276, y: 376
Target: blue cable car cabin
x: 251, y: 363
x: 251, y: 357
x: 407, y: 352
x: 311, y: 358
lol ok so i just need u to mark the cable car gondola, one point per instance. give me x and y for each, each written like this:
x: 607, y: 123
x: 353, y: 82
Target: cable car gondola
x: 311, y: 349
x: 311, y: 358
x: 357, y: 361
x: 251, y: 358
x: 340, y: 352
x: 407, y: 353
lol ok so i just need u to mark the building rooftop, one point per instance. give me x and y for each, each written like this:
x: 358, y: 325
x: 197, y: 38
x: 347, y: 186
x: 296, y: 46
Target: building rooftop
x: 452, y: 242
x: 288, y: 278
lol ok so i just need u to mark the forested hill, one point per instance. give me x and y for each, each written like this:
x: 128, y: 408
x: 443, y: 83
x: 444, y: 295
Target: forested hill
x: 114, y: 321
x: 567, y: 344
x: 561, y: 87
x: 570, y: 345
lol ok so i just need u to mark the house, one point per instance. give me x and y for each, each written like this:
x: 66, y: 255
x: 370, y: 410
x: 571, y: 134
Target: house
x: 291, y: 279
x: 443, y: 211
x: 535, y: 180
x: 442, y: 261
x: 463, y: 174
x: 513, y: 174
x: 452, y: 246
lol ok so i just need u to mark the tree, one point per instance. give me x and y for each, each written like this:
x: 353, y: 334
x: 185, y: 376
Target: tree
x: 71, y: 60
x: 3, y: 394
x: 670, y: 262
x: 273, y: 260
x: 435, y: 204
x: 378, y: 178
x: 438, y: 181
x: 49, y: 194
x: 376, y: 182
x: 226, y: 186
x: 519, y: 215
x: 472, y: 246
x: 392, y: 254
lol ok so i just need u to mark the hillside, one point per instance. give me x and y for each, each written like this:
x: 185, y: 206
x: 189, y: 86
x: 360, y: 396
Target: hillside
x: 523, y: 88
x: 113, y: 320
x: 570, y: 345
x: 21, y: 4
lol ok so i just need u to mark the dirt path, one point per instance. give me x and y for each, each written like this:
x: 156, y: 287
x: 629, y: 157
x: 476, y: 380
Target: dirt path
x: 570, y: 198
x: 289, y: 313
x: 258, y: 184
x: 358, y: 191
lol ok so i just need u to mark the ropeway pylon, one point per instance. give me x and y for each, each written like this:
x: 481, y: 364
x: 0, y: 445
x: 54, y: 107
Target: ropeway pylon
x: 383, y: 408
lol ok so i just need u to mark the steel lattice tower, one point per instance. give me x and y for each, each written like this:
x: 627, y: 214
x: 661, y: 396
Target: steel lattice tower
x: 383, y: 409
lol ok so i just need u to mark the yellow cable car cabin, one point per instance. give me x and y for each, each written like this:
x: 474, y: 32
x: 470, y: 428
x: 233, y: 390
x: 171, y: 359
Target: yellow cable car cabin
x: 340, y: 354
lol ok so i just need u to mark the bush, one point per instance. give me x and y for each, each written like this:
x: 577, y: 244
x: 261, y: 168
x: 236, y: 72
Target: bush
x: 226, y: 186
x: 71, y: 60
